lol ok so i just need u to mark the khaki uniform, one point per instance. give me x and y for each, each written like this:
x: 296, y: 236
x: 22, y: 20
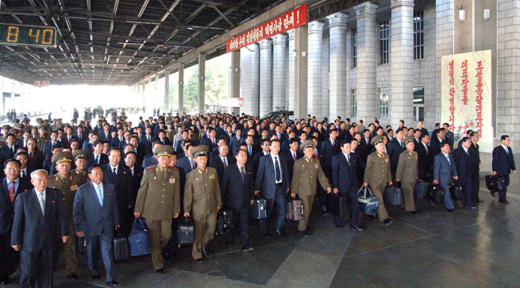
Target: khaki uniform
x: 201, y: 198
x: 157, y: 200
x: 306, y: 173
x: 82, y: 176
x: 407, y: 171
x: 68, y: 187
x: 41, y: 141
x: 377, y: 175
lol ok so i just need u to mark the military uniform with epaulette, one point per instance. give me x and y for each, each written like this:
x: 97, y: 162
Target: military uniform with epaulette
x: 377, y: 175
x: 158, y: 200
x: 68, y: 187
x: 407, y: 171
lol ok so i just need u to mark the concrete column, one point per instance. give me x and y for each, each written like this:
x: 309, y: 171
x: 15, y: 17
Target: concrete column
x: 142, y: 94
x: 401, y: 99
x: 325, y: 60
x: 279, y: 70
x: 234, y: 82
x: 368, y: 100
x: 202, y: 82
x: 315, y: 96
x: 249, y: 78
x: 291, y: 71
x: 444, y: 45
x: 180, y: 89
x: 166, y: 91
x: 266, y: 76
x: 301, y: 35
x: 338, y: 66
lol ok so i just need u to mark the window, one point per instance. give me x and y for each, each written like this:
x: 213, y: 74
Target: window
x: 354, y: 48
x: 418, y: 104
x: 354, y: 103
x: 384, y: 36
x: 384, y: 100
x: 418, y: 35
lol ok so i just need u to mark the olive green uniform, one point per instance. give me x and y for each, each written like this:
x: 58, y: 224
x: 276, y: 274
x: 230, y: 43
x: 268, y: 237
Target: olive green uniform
x: 377, y: 175
x: 201, y: 198
x: 407, y: 171
x: 68, y: 187
x: 306, y: 174
x: 82, y: 176
x: 157, y: 200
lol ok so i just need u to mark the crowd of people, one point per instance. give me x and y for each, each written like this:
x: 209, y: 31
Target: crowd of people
x: 63, y: 182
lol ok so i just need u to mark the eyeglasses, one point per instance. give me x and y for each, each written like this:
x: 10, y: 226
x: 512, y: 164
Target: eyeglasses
x: 12, y: 169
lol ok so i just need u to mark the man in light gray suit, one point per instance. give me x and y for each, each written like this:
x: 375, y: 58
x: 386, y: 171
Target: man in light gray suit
x: 95, y: 216
x: 444, y: 169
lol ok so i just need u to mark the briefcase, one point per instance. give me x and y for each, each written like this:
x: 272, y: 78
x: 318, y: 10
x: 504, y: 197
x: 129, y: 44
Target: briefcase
x: 337, y: 204
x: 456, y: 192
x: 435, y: 193
x: 81, y: 246
x: 393, y: 196
x: 259, y: 209
x: 186, y: 232
x: 121, y: 250
x: 421, y: 187
x: 294, y: 211
x: 139, y: 239
x: 224, y: 221
x: 367, y: 202
x: 495, y: 183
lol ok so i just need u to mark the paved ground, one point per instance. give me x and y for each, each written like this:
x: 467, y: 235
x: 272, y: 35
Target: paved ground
x: 432, y: 249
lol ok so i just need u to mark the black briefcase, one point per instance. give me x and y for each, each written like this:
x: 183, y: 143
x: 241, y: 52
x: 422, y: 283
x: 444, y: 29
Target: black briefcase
x: 121, y: 248
x: 224, y: 221
x: 186, y: 232
x: 456, y: 191
x: 259, y: 209
x: 393, y: 196
x: 435, y: 193
x: 337, y: 204
x: 81, y: 245
x: 421, y: 187
x: 495, y: 183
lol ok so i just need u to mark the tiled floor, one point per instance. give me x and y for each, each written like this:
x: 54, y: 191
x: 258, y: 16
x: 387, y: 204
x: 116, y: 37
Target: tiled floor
x: 431, y: 249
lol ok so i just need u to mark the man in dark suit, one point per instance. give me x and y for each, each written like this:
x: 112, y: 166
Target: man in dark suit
x: 121, y: 178
x: 329, y: 148
x: 396, y: 147
x: 119, y: 140
x: 11, y: 186
x: 10, y: 149
x: 147, y: 140
x: 237, y: 191
x: 35, y: 157
x: 187, y: 163
x: 222, y: 161
x: 344, y: 183
x: 272, y: 182
x: 425, y: 157
x: 235, y: 141
x: 290, y: 156
x: 137, y: 174
x: 81, y: 135
x: 420, y: 127
x: 38, y: 214
x: 475, y: 163
x: 463, y: 161
x: 265, y: 145
x: 97, y: 157
x: 436, y: 141
x: 444, y: 170
x: 95, y: 216
x: 365, y: 145
x: 503, y: 164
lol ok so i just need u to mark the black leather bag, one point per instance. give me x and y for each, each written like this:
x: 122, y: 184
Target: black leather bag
x: 435, y: 193
x: 121, y: 248
x: 495, y: 183
x: 81, y: 246
x: 186, y: 232
x: 337, y: 204
x: 224, y: 221
x: 393, y: 196
x: 259, y: 209
x: 456, y: 191
x: 421, y: 188
x: 294, y: 209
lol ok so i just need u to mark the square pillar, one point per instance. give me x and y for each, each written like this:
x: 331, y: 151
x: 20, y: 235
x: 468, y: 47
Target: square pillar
x: 301, y: 35
x: 202, y: 82
x: 166, y: 91
x: 266, y: 76
x: 338, y: 64
x: 180, y: 89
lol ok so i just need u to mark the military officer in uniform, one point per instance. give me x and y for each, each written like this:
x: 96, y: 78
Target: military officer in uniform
x: 407, y: 173
x: 81, y: 157
x: 378, y: 175
x: 68, y: 183
x: 202, y: 199
x: 159, y: 201
x: 307, y: 171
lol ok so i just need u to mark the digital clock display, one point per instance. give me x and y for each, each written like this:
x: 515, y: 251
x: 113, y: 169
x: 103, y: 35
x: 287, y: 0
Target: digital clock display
x: 15, y: 35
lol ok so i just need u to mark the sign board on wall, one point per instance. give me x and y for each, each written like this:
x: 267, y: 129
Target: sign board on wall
x: 466, y: 95
x: 42, y: 83
x: 290, y: 20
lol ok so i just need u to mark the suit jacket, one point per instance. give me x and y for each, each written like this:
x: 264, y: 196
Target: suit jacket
x: 103, y: 159
x: 185, y: 164
x: 37, y: 159
x: 89, y: 216
x: 287, y: 157
x: 8, y: 153
x: 394, y: 151
x: 235, y: 192
x: 216, y: 162
x: 136, y: 182
x: 20, y: 143
x: 256, y: 159
x: 425, y: 158
x: 31, y: 229
x: 103, y: 136
x: 266, y: 177
x: 463, y: 164
x: 235, y: 143
x: 47, y: 149
x: 82, y: 137
x: 503, y: 163
x: 442, y: 170
x: 122, y: 186
x: 6, y: 206
x: 328, y: 152
x: 344, y: 174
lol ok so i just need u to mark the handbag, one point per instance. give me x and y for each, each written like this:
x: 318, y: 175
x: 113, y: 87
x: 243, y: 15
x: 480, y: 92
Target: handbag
x: 81, y: 246
x: 367, y: 202
x: 435, y: 193
x: 120, y: 247
x: 139, y: 238
x: 421, y: 187
x: 393, y: 196
x: 186, y: 232
x: 294, y: 209
x: 456, y: 191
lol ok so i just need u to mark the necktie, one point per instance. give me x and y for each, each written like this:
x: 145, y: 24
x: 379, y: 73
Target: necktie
x: 12, y: 148
x: 294, y: 156
x: 99, y: 195
x: 278, y: 173
x: 448, y: 157
x: 42, y: 202
x: 348, y: 158
x: 225, y: 162
x: 114, y: 174
x: 12, y: 192
x: 23, y: 174
x: 250, y: 150
x: 316, y: 154
x: 191, y: 163
x: 132, y: 170
x: 30, y: 156
x: 402, y: 146
x: 467, y: 152
x: 426, y: 147
x: 332, y: 143
x: 243, y: 174
x: 97, y: 159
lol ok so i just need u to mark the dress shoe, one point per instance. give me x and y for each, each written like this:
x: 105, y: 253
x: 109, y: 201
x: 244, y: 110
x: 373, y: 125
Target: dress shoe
x: 304, y: 232
x: 112, y: 283
x: 95, y: 277
x: 449, y: 210
x: 504, y: 201
x: 160, y: 271
x: 355, y: 228
x: 246, y: 248
x: 205, y: 252
x: 198, y: 260
x: 388, y: 221
x: 492, y: 193
x: 280, y: 233
x: 72, y: 276
x: 372, y: 217
x: 4, y: 281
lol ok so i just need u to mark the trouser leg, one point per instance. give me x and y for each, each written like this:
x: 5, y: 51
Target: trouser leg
x: 408, y: 196
x: 377, y: 191
x: 107, y: 253
x: 71, y: 258
x: 92, y: 253
x: 307, y: 201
